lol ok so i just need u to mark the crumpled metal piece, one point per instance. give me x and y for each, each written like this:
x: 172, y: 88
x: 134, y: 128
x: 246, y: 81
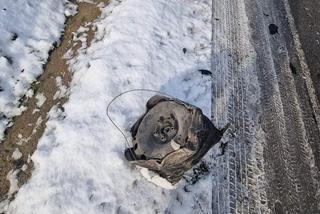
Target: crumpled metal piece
x: 171, y: 137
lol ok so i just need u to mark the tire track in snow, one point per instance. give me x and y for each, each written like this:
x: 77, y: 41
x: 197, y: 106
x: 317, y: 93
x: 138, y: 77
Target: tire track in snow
x: 299, y: 158
x: 231, y: 189
x: 269, y: 164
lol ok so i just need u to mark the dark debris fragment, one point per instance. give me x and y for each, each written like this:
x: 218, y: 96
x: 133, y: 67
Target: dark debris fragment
x: 184, y: 50
x: 273, y: 29
x: 223, y: 147
x: 293, y: 68
x: 205, y: 72
x: 199, y: 172
x: 14, y: 36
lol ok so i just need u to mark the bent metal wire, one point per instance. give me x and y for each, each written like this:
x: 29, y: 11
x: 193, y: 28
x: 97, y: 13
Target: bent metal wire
x: 127, y: 143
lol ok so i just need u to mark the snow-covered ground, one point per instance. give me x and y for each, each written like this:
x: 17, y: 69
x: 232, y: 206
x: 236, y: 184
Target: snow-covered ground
x: 28, y: 29
x: 79, y: 163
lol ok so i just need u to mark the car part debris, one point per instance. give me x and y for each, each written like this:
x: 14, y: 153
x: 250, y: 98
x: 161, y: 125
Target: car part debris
x: 205, y: 72
x: 171, y: 137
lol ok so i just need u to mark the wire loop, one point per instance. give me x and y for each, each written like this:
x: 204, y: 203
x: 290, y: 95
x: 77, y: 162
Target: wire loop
x: 127, y: 143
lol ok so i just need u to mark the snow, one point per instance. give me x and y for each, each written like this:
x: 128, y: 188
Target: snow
x: 29, y: 93
x: 12, y: 177
x: 70, y: 9
x: 155, y: 178
x: 16, y: 155
x: 40, y: 99
x: 28, y: 29
x: 62, y: 91
x: 79, y: 163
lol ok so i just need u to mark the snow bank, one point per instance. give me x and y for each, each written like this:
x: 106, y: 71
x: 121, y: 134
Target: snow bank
x: 79, y: 164
x: 28, y: 29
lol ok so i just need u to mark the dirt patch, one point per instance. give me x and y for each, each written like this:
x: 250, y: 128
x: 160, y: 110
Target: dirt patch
x: 23, y: 136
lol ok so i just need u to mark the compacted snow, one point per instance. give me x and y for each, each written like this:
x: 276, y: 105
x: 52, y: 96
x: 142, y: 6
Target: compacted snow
x: 79, y: 163
x: 28, y: 29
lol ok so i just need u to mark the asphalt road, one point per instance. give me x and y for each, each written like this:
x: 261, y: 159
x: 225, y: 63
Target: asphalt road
x: 306, y: 15
x: 264, y: 85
